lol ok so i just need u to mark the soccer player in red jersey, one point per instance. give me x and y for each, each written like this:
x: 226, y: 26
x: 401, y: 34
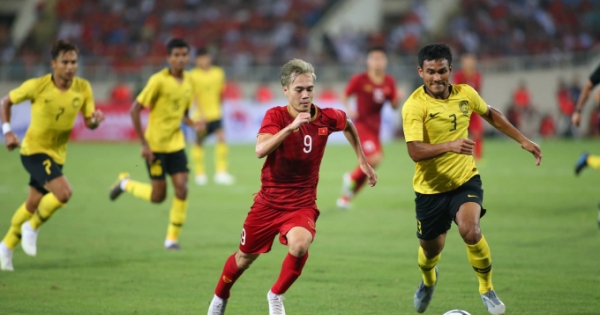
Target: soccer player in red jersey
x: 372, y: 89
x: 468, y: 74
x: 293, y: 139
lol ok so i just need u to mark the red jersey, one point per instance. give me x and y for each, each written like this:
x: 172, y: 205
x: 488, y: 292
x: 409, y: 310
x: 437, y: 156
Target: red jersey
x: 370, y: 98
x: 291, y: 172
x: 474, y: 81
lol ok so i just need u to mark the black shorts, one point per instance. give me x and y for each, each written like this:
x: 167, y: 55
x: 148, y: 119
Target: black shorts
x: 42, y: 169
x: 169, y: 163
x: 435, y: 212
x: 211, y: 127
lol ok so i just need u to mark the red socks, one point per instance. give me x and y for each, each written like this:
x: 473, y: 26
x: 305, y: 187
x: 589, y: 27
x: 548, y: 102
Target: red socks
x: 359, y: 179
x: 230, y: 274
x: 290, y: 271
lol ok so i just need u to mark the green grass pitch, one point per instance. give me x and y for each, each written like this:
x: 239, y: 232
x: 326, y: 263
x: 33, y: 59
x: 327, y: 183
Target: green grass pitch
x: 102, y: 257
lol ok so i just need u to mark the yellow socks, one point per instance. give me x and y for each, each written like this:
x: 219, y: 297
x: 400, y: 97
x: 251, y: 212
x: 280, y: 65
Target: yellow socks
x: 427, y: 267
x: 139, y: 190
x: 48, y: 205
x: 594, y: 161
x: 198, y: 159
x: 221, y: 156
x: 176, y: 218
x: 481, y: 260
x: 13, y: 236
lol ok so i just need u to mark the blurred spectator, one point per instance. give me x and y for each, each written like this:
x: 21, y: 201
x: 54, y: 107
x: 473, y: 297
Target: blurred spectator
x: 263, y: 93
x: 233, y: 91
x: 522, y: 97
x: 575, y: 89
x: 566, y: 108
x: 524, y: 109
x: 121, y: 93
x: 327, y: 94
x: 547, y: 127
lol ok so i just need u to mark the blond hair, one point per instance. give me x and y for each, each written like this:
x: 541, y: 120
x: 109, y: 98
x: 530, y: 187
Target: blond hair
x: 293, y: 69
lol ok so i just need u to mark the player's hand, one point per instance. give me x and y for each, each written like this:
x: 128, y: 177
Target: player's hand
x: 200, y: 125
x: 98, y: 116
x: 576, y: 119
x: 370, y: 172
x: 534, y: 149
x: 147, y: 153
x: 11, y: 140
x: 462, y: 146
x: 301, y: 119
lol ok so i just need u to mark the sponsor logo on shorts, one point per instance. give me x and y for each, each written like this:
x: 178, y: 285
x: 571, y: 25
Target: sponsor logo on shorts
x: 227, y: 280
x: 472, y: 196
x: 311, y: 224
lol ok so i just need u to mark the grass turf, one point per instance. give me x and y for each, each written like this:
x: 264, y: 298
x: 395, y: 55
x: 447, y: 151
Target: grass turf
x: 102, y: 257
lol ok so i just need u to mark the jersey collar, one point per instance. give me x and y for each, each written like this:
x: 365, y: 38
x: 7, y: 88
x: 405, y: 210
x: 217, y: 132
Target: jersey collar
x: 314, y: 110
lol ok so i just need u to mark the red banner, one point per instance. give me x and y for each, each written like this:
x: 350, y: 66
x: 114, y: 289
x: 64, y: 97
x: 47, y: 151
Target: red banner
x: 117, y: 125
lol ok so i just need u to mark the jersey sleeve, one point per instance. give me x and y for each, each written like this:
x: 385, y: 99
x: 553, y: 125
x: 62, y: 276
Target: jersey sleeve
x: 89, y: 106
x: 595, y: 77
x: 413, y: 117
x: 352, y: 86
x: 27, y: 91
x: 478, y: 104
x: 337, y: 119
x: 150, y: 92
x: 271, y: 124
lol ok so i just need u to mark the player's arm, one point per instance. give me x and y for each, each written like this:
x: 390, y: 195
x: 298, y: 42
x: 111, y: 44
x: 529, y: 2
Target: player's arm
x: 92, y: 116
x: 11, y: 140
x: 396, y: 97
x: 420, y: 151
x: 267, y: 143
x: 495, y: 118
x: 188, y: 121
x: 352, y: 135
x: 135, y: 112
x: 413, y: 115
x: 350, y: 90
x: 583, y: 97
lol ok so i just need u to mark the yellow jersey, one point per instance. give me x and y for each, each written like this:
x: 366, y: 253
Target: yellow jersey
x: 434, y: 121
x: 210, y: 85
x: 168, y: 100
x: 53, y: 114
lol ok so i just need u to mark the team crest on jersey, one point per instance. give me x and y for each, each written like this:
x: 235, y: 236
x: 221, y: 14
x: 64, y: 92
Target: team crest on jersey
x: 76, y: 102
x: 368, y: 88
x: 464, y: 107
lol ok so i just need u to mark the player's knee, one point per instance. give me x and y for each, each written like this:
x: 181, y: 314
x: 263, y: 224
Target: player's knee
x: 432, y: 252
x: 375, y: 160
x: 470, y: 234
x: 243, y: 260
x: 158, y: 196
x: 299, y: 248
x: 181, y: 192
x: 63, y: 195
